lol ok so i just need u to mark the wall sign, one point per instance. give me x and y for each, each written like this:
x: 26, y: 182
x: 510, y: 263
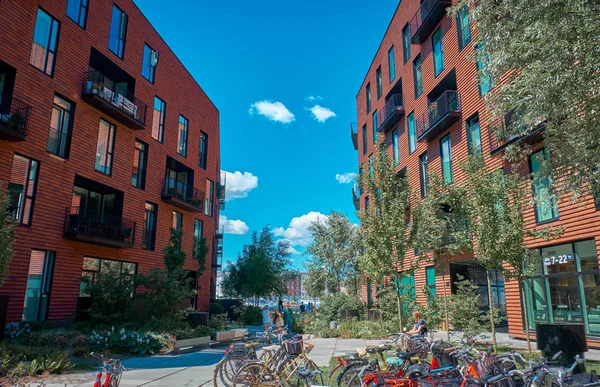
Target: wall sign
x: 558, y: 259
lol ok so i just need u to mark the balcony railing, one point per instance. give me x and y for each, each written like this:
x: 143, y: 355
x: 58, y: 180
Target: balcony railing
x: 98, y: 228
x: 427, y: 18
x: 121, y: 105
x: 442, y: 113
x: 354, y: 134
x: 219, y: 235
x: 500, y: 138
x: 182, y: 195
x: 14, y: 115
x: 391, y: 113
x: 356, y: 197
x: 221, y: 189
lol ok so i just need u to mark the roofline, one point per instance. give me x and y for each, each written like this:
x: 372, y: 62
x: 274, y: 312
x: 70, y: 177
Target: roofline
x: 378, y: 48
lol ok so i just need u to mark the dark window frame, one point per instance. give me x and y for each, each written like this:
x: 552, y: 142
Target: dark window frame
x: 554, y: 201
x: 31, y: 198
x: 460, y: 28
x: 121, y: 40
x: 374, y: 120
x: 411, y: 148
x: 368, y: 97
x: 210, y: 198
x: 203, y: 150
x: 469, y: 124
x: 54, y: 51
x: 69, y: 132
x: 45, y: 283
x: 95, y: 272
x: 392, y: 64
x: 365, y: 140
x: 182, y: 146
x: 83, y: 6
x: 424, y: 174
x: 396, y: 146
x: 197, y: 239
x: 161, y: 123
x: 142, y: 156
x: 151, y: 69
x: 406, y: 49
x: 451, y: 180
x: 379, y: 82
x: 145, y: 244
x: 177, y: 218
x: 418, y: 81
x: 436, y: 71
x: 108, y: 151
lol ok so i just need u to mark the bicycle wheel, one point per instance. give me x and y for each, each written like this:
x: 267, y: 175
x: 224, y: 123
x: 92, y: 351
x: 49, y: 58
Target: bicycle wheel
x: 348, y: 373
x: 334, y: 374
x: 254, y: 375
x: 226, y: 370
x: 115, y: 380
x: 355, y: 381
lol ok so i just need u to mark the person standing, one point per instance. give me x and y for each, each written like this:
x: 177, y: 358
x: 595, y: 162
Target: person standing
x: 288, y: 316
x: 266, y: 317
x: 280, y: 306
x: 302, y: 307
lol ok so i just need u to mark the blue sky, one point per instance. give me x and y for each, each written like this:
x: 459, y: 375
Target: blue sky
x: 260, y: 62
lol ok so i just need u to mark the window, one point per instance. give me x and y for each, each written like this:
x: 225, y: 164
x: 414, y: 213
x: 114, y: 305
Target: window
x: 368, y: 97
x: 424, y: 174
x: 371, y: 167
x: 418, y: 75
x: 546, y: 208
x: 21, y: 188
x: 140, y: 159
x: 203, y: 150
x: 105, y: 147
x: 92, y: 267
x: 367, y: 205
x: 158, y: 121
x: 198, y: 230
x: 45, y: 40
x: 379, y: 82
x: 364, y: 139
x: 149, y: 231
x: 406, y: 43
x: 61, y: 123
x: 375, y: 127
x: 463, y: 27
x: 392, y: 64
x: 118, y: 32
x: 412, y: 133
x: 474, y: 135
x: 210, y: 197
x: 149, y: 62
x: 77, y: 11
x: 485, y: 81
x: 564, y: 288
x: 438, y: 52
x: 430, y: 279
x: 446, y: 156
x: 182, y: 136
x: 396, y: 146
x: 177, y: 221
x: 39, y: 283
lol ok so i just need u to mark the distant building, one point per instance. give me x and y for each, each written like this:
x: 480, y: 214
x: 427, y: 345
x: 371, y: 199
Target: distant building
x: 294, y: 286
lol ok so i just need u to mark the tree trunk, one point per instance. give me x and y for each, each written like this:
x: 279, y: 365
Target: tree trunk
x: 491, y: 304
x: 446, y: 305
x: 526, y: 313
x: 399, y: 312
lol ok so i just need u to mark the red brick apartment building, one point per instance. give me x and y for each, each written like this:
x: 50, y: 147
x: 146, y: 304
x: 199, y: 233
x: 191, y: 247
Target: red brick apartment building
x: 294, y: 287
x: 424, y: 60
x: 106, y: 141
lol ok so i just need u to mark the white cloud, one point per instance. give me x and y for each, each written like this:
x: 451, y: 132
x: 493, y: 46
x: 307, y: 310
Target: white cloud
x: 274, y: 111
x: 297, y: 231
x: 345, y: 178
x: 233, y: 227
x: 239, y: 184
x: 293, y: 251
x: 314, y: 98
x: 321, y: 114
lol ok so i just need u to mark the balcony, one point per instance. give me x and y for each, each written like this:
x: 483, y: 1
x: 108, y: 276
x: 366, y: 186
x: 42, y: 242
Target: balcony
x: 14, y: 115
x: 425, y: 20
x: 500, y: 138
x: 391, y: 113
x: 182, y: 195
x: 442, y: 113
x: 121, y: 105
x: 354, y: 134
x: 221, y: 188
x: 356, y: 197
x: 98, y: 228
x: 219, y: 235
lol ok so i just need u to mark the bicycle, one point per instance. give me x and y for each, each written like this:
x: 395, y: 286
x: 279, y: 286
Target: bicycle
x: 112, y: 369
x: 235, y: 356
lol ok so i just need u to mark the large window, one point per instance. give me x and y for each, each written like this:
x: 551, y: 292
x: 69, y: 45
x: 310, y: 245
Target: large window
x: 424, y: 174
x: 61, y: 123
x: 177, y: 221
x: 105, y: 147
x: 463, y: 27
x: 149, y: 231
x: 396, y: 146
x: 418, y: 76
x: 438, y: 52
x: 198, y: 231
x: 77, y: 11
x: 406, y: 43
x: 474, y: 135
x: 446, y: 156
x: 485, y: 81
x: 210, y: 197
x: 45, y: 40
x: 21, y: 188
x: 149, y: 62
x: 392, y: 64
x: 566, y: 286
x: 158, y: 119
x: 379, y: 82
x: 364, y: 140
x: 368, y: 97
x: 140, y: 159
x: 546, y: 208
x: 182, y: 136
x: 412, y: 133
x: 374, y: 127
x: 92, y: 267
x: 39, y: 283
x: 118, y: 32
x: 203, y: 157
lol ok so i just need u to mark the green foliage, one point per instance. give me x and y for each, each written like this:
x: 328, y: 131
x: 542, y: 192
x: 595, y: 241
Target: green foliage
x: 315, y: 283
x: 17, y: 329
x: 249, y: 315
x: 368, y: 330
x: 332, y: 305
x: 334, y: 253
x: 19, y: 361
x: 201, y: 251
x: 397, y: 303
x: 110, y: 296
x: 7, y: 236
x: 123, y: 341
x: 432, y: 310
x: 174, y: 256
x: 58, y: 338
x: 215, y: 308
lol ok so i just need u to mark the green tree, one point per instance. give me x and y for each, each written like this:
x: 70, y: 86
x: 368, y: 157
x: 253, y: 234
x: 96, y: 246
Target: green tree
x: 334, y: 251
x: 385, y: 225
x: 201, y: 251
x: 7, y: 237
x: 315, y: 283
x: 545, y: 52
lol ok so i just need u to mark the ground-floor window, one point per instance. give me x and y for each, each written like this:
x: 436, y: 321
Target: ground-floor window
x: 566, y: 286
x: 39, y: 283
x: 94, y: 266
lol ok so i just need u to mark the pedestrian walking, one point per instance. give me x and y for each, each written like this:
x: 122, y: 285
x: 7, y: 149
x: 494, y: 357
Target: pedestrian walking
x: 288, y: 316
x: 266, y: 317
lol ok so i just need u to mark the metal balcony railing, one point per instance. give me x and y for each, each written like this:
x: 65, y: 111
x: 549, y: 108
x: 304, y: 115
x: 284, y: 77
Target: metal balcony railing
x: 14, y: 115
x: 426, y: 18
x: 500, y: 137
x: 182, y: 195
x: 123, y: 105
x: 99, y: 228
x: 354, y: 134
x: 391, y: 113
x: 442, y: 113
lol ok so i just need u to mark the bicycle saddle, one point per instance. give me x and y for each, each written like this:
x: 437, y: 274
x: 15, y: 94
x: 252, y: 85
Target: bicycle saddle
x: 271, y: 348
x: 395, y: 361
x: 485, y: 380
x: 405, y: 355
x: 379, y: 349
x: 251, y: 345
x: 305, y: 372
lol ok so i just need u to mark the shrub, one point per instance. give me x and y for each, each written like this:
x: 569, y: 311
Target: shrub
x: 19, y: 361
x: 249, y: 315
x: 216, y: 308
x: 332, y: 305
x: 15, y: 330
x: 63, y: 339
x: 110, y: 296
x: 363, y: 329
x: 136, y: 343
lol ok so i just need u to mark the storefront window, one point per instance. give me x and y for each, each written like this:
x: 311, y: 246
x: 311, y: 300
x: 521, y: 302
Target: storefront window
x: 536, y: 300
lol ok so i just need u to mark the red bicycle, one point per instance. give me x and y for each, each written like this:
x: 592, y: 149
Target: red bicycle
x: 112, y: 370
